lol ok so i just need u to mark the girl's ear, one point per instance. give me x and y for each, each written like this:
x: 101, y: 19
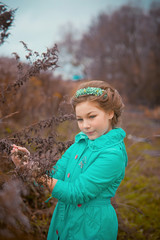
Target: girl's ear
x: 111, y: 114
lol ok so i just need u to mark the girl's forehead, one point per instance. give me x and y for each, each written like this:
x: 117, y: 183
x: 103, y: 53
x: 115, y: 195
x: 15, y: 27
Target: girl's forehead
x: 87, y: 107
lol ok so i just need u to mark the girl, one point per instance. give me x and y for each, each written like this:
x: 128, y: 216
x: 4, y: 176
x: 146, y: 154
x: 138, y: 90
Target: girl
x: 90, y: 171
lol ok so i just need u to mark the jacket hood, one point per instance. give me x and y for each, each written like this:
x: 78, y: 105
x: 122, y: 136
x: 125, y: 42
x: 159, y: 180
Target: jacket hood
x: 113, y: 137
x: 110, y: 139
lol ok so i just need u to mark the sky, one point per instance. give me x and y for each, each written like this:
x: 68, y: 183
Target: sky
x: 41, y: 23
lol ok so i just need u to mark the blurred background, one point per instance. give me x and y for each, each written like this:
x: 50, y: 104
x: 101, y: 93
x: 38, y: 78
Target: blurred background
x: 114, y: 41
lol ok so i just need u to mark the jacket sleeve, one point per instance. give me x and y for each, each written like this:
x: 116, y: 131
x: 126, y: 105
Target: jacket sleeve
x: 103, y: 172
x: 59, y: 169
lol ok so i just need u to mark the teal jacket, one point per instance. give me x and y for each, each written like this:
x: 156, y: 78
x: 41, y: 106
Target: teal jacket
x: 88, y: 174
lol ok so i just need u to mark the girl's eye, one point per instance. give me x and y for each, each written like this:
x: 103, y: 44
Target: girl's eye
x: 93, y: 116
x: 79, y: 119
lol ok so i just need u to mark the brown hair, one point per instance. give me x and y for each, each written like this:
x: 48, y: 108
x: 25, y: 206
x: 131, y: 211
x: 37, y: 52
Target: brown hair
x: 112, y: 101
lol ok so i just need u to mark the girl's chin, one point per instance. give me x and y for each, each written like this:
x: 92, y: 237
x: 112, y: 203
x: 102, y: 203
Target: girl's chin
x: 94, y: 136
x: 90, y: 138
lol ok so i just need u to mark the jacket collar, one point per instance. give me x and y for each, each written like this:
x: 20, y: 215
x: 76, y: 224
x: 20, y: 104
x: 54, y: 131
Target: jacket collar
x: 112, y: 138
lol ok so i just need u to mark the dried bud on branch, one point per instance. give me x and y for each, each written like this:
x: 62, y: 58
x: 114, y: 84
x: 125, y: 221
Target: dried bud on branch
x: 6, y: 19
x: 37, y: 63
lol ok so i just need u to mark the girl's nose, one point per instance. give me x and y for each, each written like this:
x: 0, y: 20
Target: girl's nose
x: 86, y: 124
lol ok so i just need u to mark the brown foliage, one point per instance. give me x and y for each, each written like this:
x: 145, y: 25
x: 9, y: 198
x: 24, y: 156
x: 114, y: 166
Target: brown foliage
x: 29, y: 98
x: 45, y: 61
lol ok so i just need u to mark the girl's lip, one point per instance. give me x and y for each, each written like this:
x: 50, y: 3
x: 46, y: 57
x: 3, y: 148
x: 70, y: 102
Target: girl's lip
x: 89, y: 133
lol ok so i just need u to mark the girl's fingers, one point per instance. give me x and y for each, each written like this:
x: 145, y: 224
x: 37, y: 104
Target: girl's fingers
x: 14, y: 145
x: 14, y: 150
x: 18, y: 148
x: 16, y: 160
x: 23, y: 149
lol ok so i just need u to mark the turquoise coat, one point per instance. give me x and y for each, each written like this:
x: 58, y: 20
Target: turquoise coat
x: 88, y: 174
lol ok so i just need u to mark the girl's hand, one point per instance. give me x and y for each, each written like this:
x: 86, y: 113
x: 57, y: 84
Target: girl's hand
x: 51, y: 182
x: 19, y: 155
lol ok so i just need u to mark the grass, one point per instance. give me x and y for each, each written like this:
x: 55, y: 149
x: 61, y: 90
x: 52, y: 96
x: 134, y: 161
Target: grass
x: 138, y: 195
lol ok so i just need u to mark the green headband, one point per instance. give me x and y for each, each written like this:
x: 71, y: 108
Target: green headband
x: 90, y: 91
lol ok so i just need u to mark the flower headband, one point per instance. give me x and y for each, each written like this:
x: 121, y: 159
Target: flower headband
x: 90, y: 91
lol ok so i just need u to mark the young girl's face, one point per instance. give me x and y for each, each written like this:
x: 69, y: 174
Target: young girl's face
x: 92, y: 120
